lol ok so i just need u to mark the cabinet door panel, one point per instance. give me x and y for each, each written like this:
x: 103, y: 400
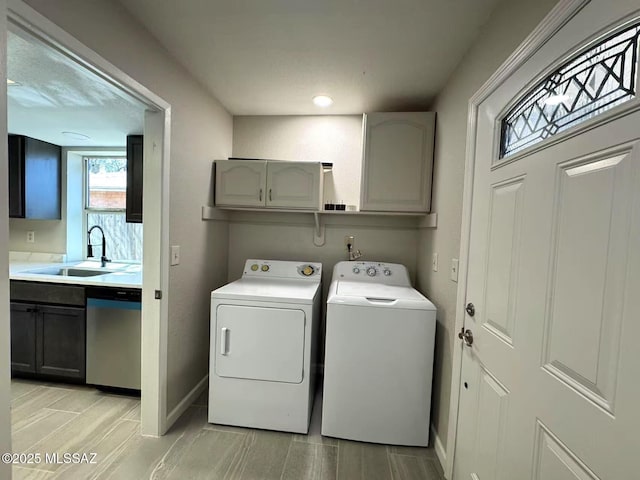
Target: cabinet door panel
x: 294, y: 185
x: 60, y: 342
x: 23, y: 338
x: 398, y: 162
x: 42, y: 180
x: 16, y: 176
x: 134, y: 178
x: 240, y: 183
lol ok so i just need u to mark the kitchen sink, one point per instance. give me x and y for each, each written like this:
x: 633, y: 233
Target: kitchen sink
x: 69, y: 272
x: 79, y: 272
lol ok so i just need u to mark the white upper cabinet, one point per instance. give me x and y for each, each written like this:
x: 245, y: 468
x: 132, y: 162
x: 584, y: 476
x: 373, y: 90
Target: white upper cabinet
x: 271, y: 184
x: 241, y: 183
x: 397, y: 162
x: 294, y: 185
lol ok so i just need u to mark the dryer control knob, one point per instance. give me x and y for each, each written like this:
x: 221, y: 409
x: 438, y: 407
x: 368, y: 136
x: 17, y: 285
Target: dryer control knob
x: 356, y: 270
x: 265, y: 268
x: 308, y: 270
x: 254, y: 267
x: 371, y: 271
x: 387, y: 272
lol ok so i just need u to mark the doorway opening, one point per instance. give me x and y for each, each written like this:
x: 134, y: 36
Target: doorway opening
x: 107, y: 105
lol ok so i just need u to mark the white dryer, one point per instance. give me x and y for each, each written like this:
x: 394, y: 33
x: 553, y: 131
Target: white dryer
x: 263, y: 346
x: 378, y: 356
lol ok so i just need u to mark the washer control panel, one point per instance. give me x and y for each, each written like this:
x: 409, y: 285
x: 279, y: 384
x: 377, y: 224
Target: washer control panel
x: 282, y: 269
x: 389, y: 273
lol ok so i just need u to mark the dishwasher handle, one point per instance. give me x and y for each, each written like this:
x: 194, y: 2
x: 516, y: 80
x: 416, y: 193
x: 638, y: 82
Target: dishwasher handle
x: 103, y: 303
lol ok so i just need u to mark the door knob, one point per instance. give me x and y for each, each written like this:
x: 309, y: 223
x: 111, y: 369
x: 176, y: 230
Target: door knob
x: 471, y: 309
x: 467, y: 336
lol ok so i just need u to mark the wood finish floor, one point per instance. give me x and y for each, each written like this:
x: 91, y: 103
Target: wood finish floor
x: 49, y: 418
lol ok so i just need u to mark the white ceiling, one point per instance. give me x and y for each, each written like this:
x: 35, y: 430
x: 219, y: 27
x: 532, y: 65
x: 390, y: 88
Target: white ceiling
x: 271, y: 56
x: 55, y: 95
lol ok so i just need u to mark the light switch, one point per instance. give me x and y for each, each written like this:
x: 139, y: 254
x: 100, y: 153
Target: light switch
x: 175, y: 255
x: 31, y: 237
x: 454, y: 269
x: 434, y: 262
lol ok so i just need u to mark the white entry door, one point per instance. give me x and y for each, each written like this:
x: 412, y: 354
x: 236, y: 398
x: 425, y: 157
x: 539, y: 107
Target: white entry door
x: 550, y: 385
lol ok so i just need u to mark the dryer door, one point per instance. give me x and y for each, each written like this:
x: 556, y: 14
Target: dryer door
x: 259, y: 343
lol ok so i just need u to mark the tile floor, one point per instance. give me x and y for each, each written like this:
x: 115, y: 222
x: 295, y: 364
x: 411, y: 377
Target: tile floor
x: 60, y: 418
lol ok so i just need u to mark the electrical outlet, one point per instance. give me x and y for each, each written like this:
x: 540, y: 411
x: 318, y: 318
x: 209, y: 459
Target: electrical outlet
x: 31, y: 237
x: 350, y: 239
x: 434, y: 262
x: 454, y: 269
x: 175, y: 255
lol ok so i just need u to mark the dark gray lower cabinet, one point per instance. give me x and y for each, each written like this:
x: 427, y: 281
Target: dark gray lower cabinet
x: 60, y: 341
x: 23, y: 338
x: 48, y: 340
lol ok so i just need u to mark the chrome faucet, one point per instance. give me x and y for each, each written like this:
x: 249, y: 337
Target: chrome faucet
x: 353, y: 255
x: 103, y: 258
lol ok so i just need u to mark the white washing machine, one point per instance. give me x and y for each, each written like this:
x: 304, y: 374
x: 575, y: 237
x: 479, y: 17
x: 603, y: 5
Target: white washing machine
x: 378, y: 356
x: 263, y: 346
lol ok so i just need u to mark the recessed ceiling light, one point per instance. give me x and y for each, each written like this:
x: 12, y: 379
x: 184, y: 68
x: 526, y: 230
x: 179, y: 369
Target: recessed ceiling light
x: 323, y: 101
x: 76, y: 136
x: 556, y: 99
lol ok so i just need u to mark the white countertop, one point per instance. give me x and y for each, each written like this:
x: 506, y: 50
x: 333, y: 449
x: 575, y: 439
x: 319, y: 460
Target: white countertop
x: 121, y: 274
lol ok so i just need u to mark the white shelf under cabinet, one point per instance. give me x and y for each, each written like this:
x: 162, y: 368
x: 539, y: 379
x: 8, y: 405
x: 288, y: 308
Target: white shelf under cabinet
x: 424, y: 220
x: 428, y: 220
x: 377, y: 214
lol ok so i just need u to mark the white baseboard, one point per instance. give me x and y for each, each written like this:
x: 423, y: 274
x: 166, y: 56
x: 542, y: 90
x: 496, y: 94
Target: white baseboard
x: 439, y: 449
x: 187, y: 401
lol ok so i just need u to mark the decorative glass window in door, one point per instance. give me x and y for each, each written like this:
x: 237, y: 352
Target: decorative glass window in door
x: 587, y: 85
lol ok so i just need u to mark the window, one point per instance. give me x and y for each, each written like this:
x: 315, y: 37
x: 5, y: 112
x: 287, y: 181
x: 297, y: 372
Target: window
x: 587, y: 85
x: 106, y: 192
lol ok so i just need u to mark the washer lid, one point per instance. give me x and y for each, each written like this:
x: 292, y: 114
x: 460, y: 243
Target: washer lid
x: 268, y: 290
x: 373, y: 294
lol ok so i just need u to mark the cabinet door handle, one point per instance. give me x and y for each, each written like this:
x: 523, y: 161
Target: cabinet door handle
x: 270, y: 195
x: 260, y: 195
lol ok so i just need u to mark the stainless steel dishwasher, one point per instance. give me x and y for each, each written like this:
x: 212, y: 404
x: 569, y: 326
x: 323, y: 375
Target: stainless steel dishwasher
x: 113, y: 337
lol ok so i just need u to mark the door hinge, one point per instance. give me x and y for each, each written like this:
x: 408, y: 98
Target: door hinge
x: 158, y: 294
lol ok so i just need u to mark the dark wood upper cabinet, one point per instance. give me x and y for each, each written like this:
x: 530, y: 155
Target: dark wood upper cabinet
x: 134, y: 178
x: 34, y: 179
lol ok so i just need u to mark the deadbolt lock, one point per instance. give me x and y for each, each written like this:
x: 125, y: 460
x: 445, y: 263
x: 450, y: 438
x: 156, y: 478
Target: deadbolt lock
x: 471, y: 309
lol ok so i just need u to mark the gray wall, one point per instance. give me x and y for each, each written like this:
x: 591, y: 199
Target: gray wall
x: 200, y: 132
x: 5, y: 361
x: 50, y: 235
x: 509, y: 24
